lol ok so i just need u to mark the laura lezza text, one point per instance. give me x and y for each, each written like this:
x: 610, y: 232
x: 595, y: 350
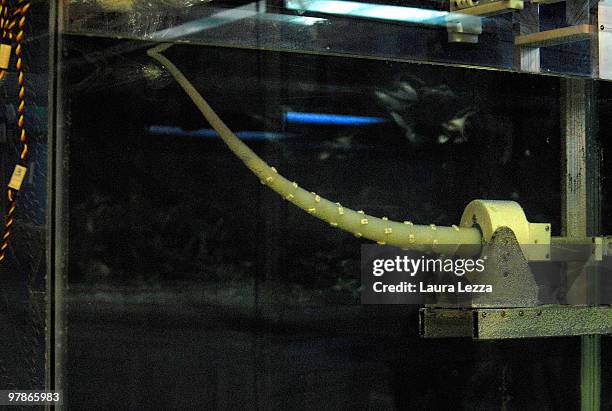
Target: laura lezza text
x: 424, y: 288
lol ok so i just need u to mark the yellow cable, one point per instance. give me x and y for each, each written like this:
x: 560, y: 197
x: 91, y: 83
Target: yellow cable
x: 18, y: 20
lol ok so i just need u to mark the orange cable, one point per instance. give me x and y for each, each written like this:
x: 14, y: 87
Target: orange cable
x: 18, y: 20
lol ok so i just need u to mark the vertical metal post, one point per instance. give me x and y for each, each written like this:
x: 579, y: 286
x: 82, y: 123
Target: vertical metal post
x: 57, y: 210
x: 527, y: 21
x: 580, y: 211
x: 581, y: 134
x: 50, y: 371
x: 585, y: 12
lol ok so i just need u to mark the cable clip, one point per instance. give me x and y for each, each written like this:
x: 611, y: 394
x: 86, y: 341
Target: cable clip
x: 5, y: 54
x: 18, y: 176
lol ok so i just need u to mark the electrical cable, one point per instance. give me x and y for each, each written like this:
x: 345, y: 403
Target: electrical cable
x: 10, y: 22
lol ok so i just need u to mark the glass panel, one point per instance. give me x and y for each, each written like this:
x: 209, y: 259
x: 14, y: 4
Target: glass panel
x: 190, y: 283
x: 544, y: 37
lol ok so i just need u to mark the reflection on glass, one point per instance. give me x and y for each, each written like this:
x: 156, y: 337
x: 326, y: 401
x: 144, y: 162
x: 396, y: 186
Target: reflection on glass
x: 368, y: 10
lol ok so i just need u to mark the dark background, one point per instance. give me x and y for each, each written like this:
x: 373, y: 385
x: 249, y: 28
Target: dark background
x: 192, y: 286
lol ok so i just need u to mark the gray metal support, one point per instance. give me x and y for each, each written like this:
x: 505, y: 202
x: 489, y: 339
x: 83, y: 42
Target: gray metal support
x: 57, y: 212
x: 580, y: 215
x: 527, y: 21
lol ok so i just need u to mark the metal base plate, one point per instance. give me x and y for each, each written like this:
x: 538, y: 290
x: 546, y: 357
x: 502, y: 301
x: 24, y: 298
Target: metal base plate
x: 510, y: 323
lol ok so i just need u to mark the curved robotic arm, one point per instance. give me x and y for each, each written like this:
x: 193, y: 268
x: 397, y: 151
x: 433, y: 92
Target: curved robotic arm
x: 480, y: 219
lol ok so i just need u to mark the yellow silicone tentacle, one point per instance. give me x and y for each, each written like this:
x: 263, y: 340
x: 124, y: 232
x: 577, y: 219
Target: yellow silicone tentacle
x: 420, y: 237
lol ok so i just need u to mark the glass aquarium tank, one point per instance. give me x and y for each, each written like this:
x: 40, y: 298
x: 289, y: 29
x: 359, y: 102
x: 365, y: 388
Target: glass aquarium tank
x: 178, y: 279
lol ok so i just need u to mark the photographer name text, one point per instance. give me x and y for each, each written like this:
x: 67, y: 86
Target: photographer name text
x: 421, y: 287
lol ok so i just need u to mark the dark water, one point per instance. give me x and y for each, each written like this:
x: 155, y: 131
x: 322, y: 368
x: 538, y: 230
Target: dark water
x: 191, y: 286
